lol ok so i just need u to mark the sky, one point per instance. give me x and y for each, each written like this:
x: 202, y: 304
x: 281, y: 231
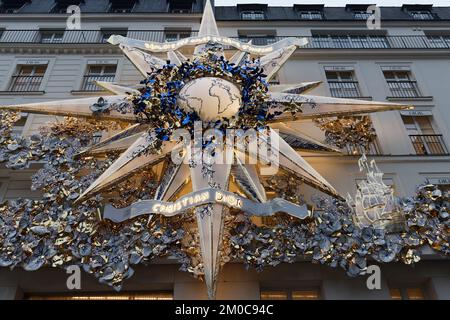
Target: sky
x: 336, y: 3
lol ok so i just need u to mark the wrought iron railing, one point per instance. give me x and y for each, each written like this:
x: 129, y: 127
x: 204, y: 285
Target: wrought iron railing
x: 314, y: 42
x: 372, y: 149
x: 344, y: 89
x: 428, y: 144
x: 25, y: 83
x: 89, y: 85
x: 404, y: 89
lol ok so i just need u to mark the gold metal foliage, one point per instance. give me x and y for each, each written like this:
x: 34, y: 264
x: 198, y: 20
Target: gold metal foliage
x: 348, y: 131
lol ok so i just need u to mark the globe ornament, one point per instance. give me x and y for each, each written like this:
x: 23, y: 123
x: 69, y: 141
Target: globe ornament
x: 211, y: 98
x: 213, y: 88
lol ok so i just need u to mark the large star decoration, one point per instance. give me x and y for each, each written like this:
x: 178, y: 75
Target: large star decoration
x: 219, y: 92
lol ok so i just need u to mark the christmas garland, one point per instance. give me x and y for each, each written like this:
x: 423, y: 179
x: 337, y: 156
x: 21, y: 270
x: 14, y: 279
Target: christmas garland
x: 53, y: 232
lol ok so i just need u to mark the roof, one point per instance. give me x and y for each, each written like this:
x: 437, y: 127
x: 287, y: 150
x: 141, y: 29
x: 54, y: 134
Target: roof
x: 230, y: 13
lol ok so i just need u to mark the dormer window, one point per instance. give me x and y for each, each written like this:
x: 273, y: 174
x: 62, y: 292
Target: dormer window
x: 252, y: 11
x: 359, y: 11
x: 420, y: 12
x: 361, y: 15
x: 180, y: 6
x: 309, y: 12
x: 11, y: 6
x: 311, y: 15
x: 62, y: 5
x: 121, y: 6
x: 253, y: 15
x: 421, y: 15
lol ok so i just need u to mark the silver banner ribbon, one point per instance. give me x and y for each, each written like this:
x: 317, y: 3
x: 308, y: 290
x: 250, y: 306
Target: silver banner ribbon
x: 202, y: 197
x: 198, y: 40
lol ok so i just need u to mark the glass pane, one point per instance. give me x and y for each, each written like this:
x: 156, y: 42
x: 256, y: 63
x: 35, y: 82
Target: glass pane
x: 346, y: 75
x: 109, y: 69
x: 171, y: 36
x: 274, y: 295
x: 95, y: 70
x: 410, y: 124
x: 40, y: 70
x: 331, y: 75
x: 395, y: 294
x: 305, y: 295
x: 101, y: 296
x: 425, y: 125
x: 402, y: 75
x: 415, y: 294
x: 26, y: 70
x: 389, y: 75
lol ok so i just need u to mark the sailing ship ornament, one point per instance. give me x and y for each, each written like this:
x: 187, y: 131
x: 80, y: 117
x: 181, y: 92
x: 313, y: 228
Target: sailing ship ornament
x: 374, y: 203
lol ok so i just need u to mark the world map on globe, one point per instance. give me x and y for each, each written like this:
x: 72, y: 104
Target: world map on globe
x: 212, y: 98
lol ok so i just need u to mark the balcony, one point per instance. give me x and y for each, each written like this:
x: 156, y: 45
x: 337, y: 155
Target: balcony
x: 25, y: 83
x: 89, y: 85
x: 314, y: 42
x: 344, y: 89
x: 428, y: 144
x: 404, y: 89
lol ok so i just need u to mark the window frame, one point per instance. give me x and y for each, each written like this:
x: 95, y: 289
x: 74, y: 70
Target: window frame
x: 88, y: 76
x: 253, y: 13
x: 403, y: 291
x: 17, y: 73
x: 179, y: 34
x: 180, y: 10
x: 53, y: 32
x: 289, y: 292
x: 420, y: 14
x: 340, y: 80
x: 361, y: 15
x: 106, y: 33
x: 311, y: 14
x: 410, y: 84
x: 130, y: 9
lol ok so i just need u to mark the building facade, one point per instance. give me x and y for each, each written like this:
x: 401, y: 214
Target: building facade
x: 407, y: 60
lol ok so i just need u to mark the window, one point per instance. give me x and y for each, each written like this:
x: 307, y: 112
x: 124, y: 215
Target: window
x: 12, y: 6
x: 407, y: 294
x: 422, y: 135
x: 361, y: 15
x: 180, y: 6
x: 28, y: 78
x: 421, y: 15
x: 259, y: 40
x: 311, y: 15
x: 52, y: 36
x: 62, y: 5
x: 402, y: 84
x: 343, y: 84
x: 290, y: 294
x: 175, y: 35
x: 107, y: 33
x: 253, y: 15
x: 98, y: 73
x: 351, y: 41
x: 309, y: 12
x: 102, y: 296
x: 121, y: 6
